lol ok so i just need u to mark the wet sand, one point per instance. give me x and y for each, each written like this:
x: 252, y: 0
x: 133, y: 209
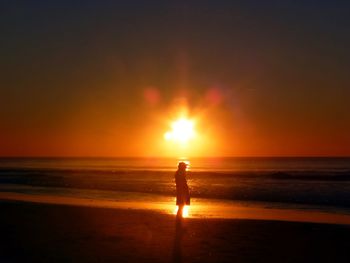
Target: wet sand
x: 200, y: 208
x: 32, y: 232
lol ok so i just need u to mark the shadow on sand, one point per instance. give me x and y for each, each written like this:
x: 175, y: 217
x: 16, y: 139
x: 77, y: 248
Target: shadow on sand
x: 179, y: 233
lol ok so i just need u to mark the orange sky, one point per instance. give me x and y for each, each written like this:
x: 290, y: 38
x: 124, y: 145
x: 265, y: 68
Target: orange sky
x: 108, y: 80
x: 92, y: 130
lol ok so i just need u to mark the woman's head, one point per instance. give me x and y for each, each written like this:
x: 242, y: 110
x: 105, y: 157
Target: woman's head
x: 182, y: 166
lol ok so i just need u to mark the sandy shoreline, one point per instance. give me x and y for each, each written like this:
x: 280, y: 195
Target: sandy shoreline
x: 200, y: 208
x: 59, y: 233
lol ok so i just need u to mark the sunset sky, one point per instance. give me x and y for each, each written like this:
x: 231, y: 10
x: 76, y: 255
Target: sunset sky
x: 108, y: 78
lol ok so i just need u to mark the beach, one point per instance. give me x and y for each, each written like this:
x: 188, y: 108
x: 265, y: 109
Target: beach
x: 62, y: 233
x: 123, y: 210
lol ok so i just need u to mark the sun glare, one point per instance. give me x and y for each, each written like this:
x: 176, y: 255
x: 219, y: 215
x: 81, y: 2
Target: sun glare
x: 185, y: 211
x: 182, y: 131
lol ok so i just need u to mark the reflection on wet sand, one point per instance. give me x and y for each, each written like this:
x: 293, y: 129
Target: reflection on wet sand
x: 201, y: 208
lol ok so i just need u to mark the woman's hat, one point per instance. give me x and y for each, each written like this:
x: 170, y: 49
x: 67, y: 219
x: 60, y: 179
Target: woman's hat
x: 182, y: 165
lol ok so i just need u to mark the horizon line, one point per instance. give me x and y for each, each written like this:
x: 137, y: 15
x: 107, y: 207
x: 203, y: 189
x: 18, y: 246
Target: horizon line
x: 170, y: 157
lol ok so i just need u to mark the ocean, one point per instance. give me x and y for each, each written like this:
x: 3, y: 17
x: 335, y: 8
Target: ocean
x: 307, y: 184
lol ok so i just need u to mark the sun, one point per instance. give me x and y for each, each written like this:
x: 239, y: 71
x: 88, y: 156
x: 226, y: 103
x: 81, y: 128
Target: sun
x: 182, y: 130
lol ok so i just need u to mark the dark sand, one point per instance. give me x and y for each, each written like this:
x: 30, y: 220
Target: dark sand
x: 58, y: 233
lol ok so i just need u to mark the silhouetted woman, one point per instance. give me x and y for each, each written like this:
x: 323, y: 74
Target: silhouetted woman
x: 182, y: 192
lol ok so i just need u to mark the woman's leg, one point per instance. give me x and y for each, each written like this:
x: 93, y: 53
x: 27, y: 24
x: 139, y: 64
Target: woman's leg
x: 179, y: 211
